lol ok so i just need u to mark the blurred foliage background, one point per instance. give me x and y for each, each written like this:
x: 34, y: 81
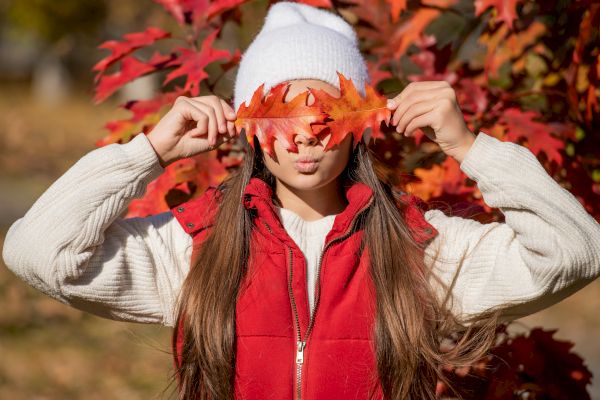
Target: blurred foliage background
x: 47, y: 122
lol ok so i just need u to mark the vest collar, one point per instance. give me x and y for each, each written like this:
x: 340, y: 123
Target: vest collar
x: 258, y: 195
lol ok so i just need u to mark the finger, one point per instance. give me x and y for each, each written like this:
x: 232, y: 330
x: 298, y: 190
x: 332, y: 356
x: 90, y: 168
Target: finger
x: 228, y: 110
x: 231, y: 128
x: 414, y: 87
x: 421, y: 121
x: 414, y: 111
x: 391, y: 106
x: 417, y: 97
x: 212, y: 121
x: 191, y: 113
x: 410, y: 90
x: 218, y: 112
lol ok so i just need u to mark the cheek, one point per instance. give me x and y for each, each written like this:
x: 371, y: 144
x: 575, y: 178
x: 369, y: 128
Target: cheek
x: 344, y: 151
x: 271, y: 164
x: 283, y: 157
x: 335, y: 162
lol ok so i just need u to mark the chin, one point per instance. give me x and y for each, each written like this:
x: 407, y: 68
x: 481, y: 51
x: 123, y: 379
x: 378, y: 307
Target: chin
x: 305, y: 181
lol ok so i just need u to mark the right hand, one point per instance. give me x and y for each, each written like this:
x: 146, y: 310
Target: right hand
x: 193, y: 125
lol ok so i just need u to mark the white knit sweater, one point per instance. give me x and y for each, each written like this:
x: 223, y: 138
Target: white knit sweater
x: 310, y: 237
x: 74, y: 245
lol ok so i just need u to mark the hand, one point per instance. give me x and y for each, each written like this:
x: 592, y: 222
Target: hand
x: 193, y: 125
x: 432, y: 106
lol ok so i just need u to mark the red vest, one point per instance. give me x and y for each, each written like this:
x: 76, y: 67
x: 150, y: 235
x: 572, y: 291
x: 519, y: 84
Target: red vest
x: 280, y: 353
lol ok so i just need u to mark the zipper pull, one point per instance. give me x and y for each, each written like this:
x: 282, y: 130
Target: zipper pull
x: 300, y: 352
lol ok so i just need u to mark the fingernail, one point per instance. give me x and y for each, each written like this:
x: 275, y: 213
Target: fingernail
x: 390, y: 103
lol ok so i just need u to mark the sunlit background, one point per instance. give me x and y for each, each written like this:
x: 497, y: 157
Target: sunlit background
x: 47, y: 122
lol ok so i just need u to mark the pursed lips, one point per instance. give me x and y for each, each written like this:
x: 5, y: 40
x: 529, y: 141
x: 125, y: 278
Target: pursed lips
x: 306, y: 159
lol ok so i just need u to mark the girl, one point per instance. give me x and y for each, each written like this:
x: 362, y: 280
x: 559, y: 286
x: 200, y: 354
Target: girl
x: 300, y: 280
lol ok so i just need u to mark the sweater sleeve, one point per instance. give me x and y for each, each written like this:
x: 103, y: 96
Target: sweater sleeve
x: 74, y: 246
x: 547, y: 248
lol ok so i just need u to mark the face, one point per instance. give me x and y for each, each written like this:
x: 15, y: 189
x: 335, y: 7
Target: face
x: 329, y: 164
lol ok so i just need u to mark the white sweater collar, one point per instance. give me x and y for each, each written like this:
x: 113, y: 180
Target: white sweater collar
x: 299, y: 227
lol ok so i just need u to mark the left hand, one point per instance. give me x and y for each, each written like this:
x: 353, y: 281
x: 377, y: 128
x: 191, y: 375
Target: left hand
x: 432, y: 106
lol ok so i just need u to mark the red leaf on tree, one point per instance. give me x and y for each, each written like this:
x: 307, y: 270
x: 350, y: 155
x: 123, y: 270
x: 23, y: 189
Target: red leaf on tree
x: 192, y: 63
x: 582, y: 185
x: 132, y: 42
x: 521, y: 124
x: 131, y: 68
x: 145, y: 114
x: 472, y: 97
x: 271, y: 118
x: 184, y: 179
x: 351, y: 113
x: 590, y: 20
x: 121, y: 131
x: 507, y: 9
x: 196, y: 12
x: 412, y: 29
x: 397, y: 7
x: 219, y: 7
x: 184, y: 11
x: 539, y: 364
x: 141, y: 108
x: 439, y: 179
x: 376, y: 72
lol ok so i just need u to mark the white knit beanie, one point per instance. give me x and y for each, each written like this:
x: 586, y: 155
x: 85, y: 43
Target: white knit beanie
x: 299, y: 41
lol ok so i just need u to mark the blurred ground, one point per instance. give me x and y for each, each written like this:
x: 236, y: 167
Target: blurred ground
x: 50, y: 351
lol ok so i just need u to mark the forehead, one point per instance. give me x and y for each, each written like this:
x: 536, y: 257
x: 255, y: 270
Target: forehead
x: 300, y: 85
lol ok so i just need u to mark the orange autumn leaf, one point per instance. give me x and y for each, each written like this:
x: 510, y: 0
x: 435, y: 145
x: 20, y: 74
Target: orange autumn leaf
x: 430, y: 184
x: 397, y: 7
x: 351, y: 113
x: 271, y: 118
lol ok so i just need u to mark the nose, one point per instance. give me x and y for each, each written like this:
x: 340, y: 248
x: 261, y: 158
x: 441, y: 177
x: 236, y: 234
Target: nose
x: 305, y: 139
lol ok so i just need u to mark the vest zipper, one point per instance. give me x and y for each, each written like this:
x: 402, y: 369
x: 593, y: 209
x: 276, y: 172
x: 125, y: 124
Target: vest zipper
x: 301, y: 344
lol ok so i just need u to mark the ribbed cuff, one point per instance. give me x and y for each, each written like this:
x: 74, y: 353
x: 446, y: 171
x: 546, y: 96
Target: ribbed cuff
x: 143, y: 157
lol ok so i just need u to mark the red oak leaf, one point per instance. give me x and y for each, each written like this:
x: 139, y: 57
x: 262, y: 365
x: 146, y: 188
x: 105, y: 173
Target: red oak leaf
x: 145, y: 114
x: 131, y: 69
x: 192, y: 63
x: 141, y: 108
x: 521, y: 124
x: 271, y: 118
x: 133, y: 41
x: 351, y: 113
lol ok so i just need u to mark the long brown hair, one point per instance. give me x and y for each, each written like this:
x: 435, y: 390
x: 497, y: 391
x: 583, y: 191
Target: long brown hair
x: 411, y: 321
